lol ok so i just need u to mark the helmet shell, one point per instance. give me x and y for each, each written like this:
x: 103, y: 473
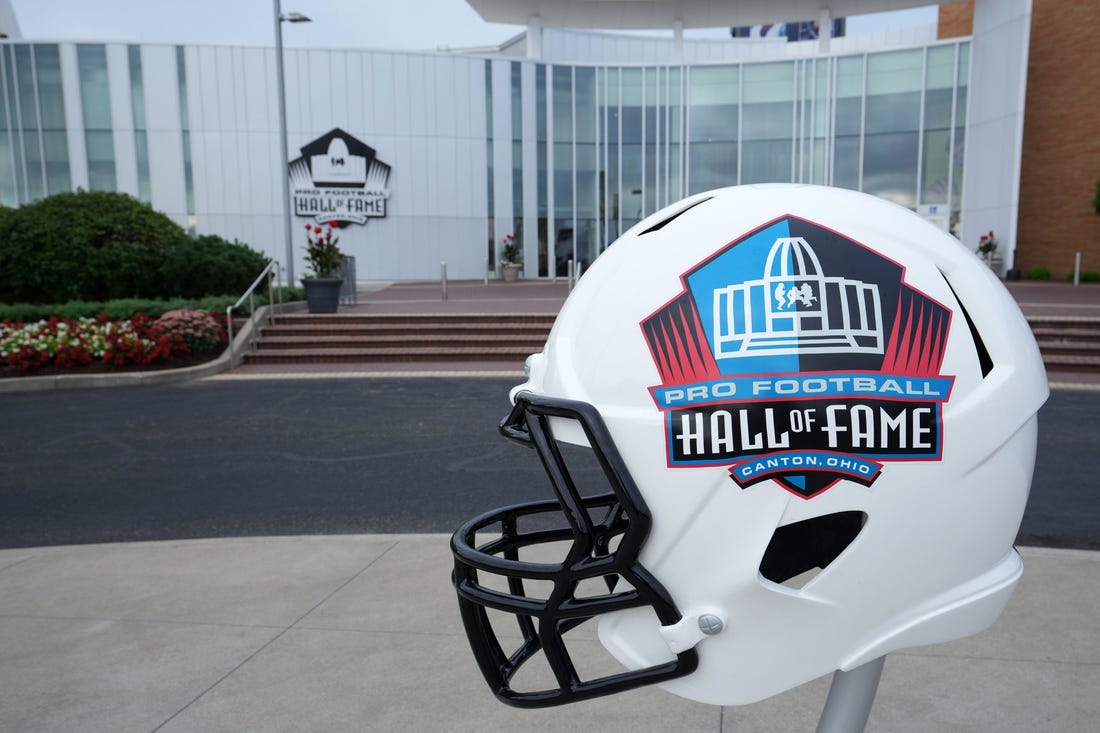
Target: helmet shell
x: 769, y: 355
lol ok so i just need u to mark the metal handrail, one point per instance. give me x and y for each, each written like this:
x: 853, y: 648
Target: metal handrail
x: 273, y: 271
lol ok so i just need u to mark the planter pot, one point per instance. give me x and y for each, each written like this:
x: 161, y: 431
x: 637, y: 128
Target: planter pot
x: 511, y: 272
x: 322, y: 294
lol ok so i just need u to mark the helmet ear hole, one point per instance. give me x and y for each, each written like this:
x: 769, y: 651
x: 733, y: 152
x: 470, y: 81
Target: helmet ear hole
x: 810, y: 545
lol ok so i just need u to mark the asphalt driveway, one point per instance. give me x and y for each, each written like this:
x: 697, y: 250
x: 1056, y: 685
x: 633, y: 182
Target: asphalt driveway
x: 294, y: 457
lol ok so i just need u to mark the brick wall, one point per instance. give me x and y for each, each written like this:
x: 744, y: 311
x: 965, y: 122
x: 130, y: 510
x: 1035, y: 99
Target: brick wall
x: 956, y: 19
x: 1061, y: 152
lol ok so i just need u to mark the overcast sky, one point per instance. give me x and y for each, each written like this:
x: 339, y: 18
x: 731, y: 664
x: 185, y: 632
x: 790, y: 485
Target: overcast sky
x: 382, y: 24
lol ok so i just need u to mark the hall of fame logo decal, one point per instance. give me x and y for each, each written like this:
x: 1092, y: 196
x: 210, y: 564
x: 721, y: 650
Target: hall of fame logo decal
x: 798, y: 355
x: 339, y: 178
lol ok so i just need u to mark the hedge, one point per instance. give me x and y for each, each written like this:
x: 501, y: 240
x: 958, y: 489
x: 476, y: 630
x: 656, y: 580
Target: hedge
x: 99, y: 246
x: 127, y: 308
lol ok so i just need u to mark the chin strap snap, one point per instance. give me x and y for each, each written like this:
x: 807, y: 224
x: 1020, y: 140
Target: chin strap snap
x: 691, y: 630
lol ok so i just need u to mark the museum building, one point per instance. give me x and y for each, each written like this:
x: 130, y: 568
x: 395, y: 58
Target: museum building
x: 562, y: 137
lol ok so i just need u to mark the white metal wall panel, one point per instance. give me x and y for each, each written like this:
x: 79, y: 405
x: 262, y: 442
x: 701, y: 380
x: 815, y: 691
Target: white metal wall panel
x: 223, y: 87
x: 199, y: 175
x: 402, y: 93
x: 163, y: 131
x: 419, y: 102
x: 447, y: 78
x: 258, y: 92
x: 995, y: 122
x: 475, y: 93
x: 447, y: 177
x: 296, y: 72
x: 363, y: 90
x: 317, y: 93
x: 530, y: 172
x: 339, y: 91
x: 502, y: 149
x: 384, y: 109
x: 200, y: 64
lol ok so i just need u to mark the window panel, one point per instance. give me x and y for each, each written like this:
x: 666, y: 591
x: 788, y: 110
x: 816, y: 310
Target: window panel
x: 50, y: 98
x: 57, y: 161
x: 713, y: 165
x: 101, y: 160
x: 894, y: 72
x: 713, y: 98
x: 765, y: 161
x: 584, y: 97
x: 846, y: 162
x: 889, y: 166
x: 32, y: 154
x: 24, y: 72
x: 767, y: 122
x: 935, y: 166
x: 8, y: 195
x: 94, y: 94
x: 52, y: 105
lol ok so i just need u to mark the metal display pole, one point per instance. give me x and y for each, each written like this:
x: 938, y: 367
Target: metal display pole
x: 284, y: 173
x: 850, y: 698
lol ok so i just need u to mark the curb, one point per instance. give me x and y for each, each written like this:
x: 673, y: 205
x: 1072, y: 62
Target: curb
x: 223, y: 362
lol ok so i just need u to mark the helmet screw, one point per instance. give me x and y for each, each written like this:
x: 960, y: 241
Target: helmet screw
x: 710, y: 624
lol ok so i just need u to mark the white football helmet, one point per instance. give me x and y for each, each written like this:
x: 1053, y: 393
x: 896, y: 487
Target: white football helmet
x: 814, y: 416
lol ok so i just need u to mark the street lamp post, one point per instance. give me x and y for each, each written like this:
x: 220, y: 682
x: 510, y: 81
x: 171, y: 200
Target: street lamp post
x: 284, y: 144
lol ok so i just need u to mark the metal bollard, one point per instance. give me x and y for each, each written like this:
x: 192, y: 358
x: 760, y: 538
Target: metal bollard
x: 1077, y: 269
x: 443, y: 278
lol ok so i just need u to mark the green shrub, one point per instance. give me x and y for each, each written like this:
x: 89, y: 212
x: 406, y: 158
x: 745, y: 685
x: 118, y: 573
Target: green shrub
x: 198, y: 329
x: 126, y: 308
x: 88, y: 245
x: 1087, y: 276
x: 1038, y: 273
x: 100, y: 246
x: 210, y: 265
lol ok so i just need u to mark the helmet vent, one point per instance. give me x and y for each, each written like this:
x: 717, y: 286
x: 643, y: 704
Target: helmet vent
x: 799, y: 551
x: 984, y: 360
x: 665, y: 222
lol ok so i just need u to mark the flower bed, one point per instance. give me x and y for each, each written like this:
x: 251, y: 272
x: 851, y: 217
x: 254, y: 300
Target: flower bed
x: 65, y: 343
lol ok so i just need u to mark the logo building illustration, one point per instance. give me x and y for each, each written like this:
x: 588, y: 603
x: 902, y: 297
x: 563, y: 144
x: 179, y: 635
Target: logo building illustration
x: 788, y: 310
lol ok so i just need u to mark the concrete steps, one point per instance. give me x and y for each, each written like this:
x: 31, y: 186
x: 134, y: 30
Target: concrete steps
x: 368, y: 339
x: 1068, y: 343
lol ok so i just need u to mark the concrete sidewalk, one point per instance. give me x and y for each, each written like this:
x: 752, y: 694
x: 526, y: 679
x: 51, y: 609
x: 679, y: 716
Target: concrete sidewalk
x: 362, y: 633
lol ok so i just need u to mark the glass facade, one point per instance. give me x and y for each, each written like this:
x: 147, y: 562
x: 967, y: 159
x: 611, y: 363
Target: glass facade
x: 625, y: 141
x: 34, y: 151
x: 609, y: 144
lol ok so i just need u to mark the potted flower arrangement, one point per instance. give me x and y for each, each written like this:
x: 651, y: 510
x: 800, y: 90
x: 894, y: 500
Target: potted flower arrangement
x: 511, y: 258
x: 322, y: 281
x: 987, y: 248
